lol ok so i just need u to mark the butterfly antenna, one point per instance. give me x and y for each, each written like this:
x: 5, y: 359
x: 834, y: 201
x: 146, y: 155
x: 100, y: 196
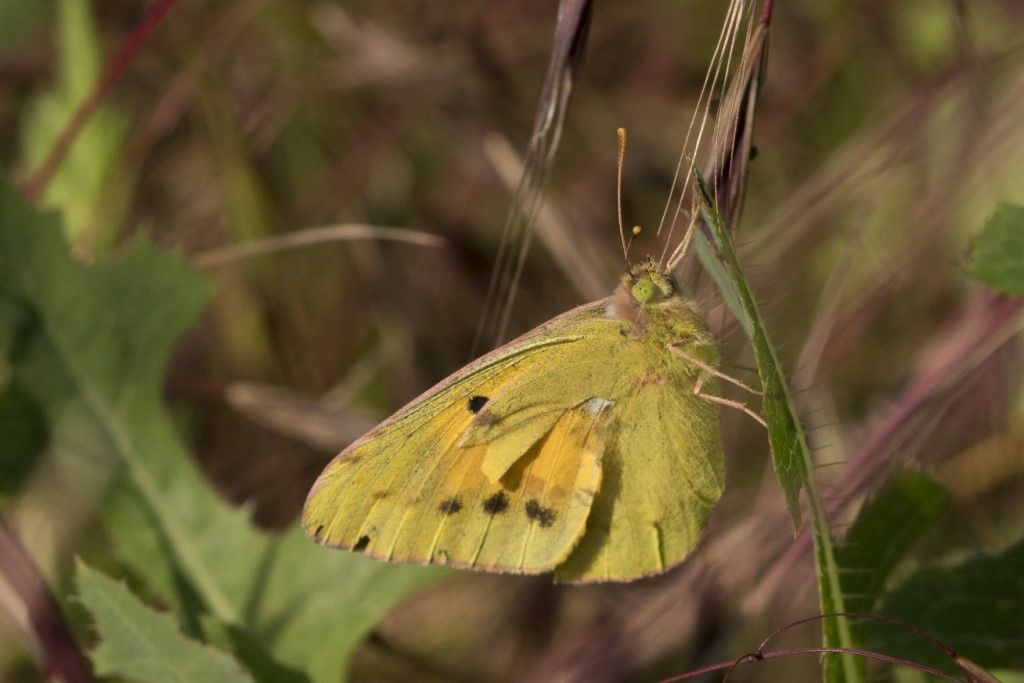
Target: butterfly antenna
x: 621, y: 132
x: 633, y: 234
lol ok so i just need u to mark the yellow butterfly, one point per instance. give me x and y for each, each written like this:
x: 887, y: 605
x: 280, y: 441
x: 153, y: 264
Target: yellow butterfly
x: 583, y: 447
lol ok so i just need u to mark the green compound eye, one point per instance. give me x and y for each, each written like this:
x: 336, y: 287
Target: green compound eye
x: 648, y: 285
x: 643, y: 291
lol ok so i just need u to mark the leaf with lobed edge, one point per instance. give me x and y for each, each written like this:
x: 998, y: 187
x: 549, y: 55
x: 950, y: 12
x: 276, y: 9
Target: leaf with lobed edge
x: 92, y: 354
x: 141, y: 644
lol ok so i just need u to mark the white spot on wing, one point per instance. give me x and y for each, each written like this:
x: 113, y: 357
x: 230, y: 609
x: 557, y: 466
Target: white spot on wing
x: 595, y: 406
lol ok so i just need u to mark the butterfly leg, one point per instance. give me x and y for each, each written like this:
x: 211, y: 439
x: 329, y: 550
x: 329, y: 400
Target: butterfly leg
x: 711, y: 370
x: 726, y: 402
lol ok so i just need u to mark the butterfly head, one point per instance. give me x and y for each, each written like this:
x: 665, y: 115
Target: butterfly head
x: 647, y: 299
x: 648, y: 285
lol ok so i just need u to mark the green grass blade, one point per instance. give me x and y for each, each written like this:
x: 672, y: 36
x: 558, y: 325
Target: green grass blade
x: 790, y: 455
x: 720, y: 276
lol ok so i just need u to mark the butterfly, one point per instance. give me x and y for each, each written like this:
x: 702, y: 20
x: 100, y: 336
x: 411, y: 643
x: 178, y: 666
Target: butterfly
x: 583, y: 448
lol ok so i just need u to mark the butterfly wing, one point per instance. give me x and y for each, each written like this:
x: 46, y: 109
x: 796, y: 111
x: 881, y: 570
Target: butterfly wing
x: 580, y: 447
x: 663, y: 469
x: 415, y: 490
x: 663, y: 456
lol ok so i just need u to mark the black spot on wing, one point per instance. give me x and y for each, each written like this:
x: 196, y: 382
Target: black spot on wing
x: 450, y: 506
x: 540, y: 514
x: 361, y: 544
x: 476, y: 403
x: 318, y: 532
x: 496, y: 504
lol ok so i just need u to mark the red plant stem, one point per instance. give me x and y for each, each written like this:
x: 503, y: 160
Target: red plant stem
x: 35, y: 612
x: 115, y: 67
x: 762, y: 656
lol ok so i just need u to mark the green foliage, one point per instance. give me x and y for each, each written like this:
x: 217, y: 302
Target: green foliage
x: 24, y: 431
x: 17, y: 20
x: 144, y: 645
x: 96, y: 353
x: 713, y: 265
x: 789, y: 446
x: 976, y: 607
x: 790, y: 454
x: 884, y: 533
x: 88, y: 187
x: 997, y: 255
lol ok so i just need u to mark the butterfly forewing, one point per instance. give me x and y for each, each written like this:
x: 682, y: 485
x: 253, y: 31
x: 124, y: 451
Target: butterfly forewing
x: 528, y: 521
x: 414, y: 489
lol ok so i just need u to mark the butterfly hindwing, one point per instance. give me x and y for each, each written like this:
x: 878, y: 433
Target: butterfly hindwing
x: 675, y: 437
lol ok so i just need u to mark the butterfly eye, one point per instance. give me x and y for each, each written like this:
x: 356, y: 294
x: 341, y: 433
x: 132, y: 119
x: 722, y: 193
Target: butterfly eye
x: 643, y: 291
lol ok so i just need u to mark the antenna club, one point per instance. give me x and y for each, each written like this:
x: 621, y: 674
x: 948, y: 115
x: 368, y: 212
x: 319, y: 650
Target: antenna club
x: 637, y: 230
x: 618, y: 193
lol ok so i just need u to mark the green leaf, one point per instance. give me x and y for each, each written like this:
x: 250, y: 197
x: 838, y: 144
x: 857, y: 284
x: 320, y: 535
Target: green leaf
x: 997, y: 255
x: 250, y: 652
x: 790, y: 454
x: 23, y: 434
x: 1007, y: 676
x: 884, y: 532
x: 713, y: 265
x: 976, y: 607
x: 93, y: 359
x: 144, y: 645
x: 18, y: 21
x: 87, y: 187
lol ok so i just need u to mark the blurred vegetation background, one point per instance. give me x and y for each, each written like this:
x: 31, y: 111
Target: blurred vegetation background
x: 886, y: 135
